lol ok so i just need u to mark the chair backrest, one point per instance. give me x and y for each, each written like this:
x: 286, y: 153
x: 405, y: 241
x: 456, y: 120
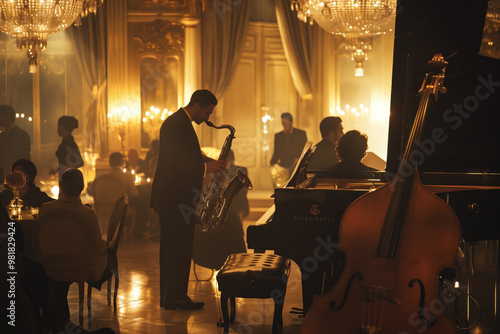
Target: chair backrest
x: 107, y: 190
x: 63, y: 258
x: 116, y: 222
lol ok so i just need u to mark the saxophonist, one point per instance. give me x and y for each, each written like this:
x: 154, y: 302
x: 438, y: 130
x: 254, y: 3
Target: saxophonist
x: 175, y: 194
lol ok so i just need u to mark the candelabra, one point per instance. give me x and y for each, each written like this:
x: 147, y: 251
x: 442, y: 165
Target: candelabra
x: 16, y: 180
x: 152, y: 120
x: 119, y: 121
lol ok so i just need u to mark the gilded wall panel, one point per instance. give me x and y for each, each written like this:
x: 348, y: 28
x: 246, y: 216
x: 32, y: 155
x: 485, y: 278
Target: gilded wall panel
x: 158, y: 64
x: 262, y: 86
x: 240, y: 112
x: 250, y: 43
x: 273, y: 45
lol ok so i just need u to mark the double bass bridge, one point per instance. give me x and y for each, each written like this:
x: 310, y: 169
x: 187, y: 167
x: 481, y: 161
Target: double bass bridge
x: 373, y: 308
x: 374, y: 293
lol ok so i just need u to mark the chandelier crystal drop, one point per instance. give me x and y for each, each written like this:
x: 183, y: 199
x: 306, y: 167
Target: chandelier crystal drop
x: 356, y: 20
x: 31, y: 21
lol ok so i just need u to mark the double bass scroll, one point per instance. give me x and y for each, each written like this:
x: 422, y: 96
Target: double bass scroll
x: 396, y: 241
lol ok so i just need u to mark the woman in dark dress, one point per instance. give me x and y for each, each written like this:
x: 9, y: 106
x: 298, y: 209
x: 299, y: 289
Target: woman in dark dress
x: 67, y: 153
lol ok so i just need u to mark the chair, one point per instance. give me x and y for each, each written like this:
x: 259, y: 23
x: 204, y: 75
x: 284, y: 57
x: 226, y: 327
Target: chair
x: 107, y: 189
x: 116, y: 222
x: 53, y: 252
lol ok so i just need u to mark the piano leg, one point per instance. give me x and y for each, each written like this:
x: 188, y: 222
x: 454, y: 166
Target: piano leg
x: 321, y: 280
x: 312, y: 284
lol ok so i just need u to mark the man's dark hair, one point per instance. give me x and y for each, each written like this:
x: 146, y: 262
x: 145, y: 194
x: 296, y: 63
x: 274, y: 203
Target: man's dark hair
x: 204, y: 97
x: 287, y: 115
x: 8, y: 112
x: 352, y: 146
x: 328, y: 124
x: 71, y: 182
x: 69, y: 122
x: 116, y: 159
x: 28, y: 166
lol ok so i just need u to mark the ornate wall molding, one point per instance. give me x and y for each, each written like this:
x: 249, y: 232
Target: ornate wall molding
x: 166, y: 8
x: 171, y: 5
x: 160, y: 39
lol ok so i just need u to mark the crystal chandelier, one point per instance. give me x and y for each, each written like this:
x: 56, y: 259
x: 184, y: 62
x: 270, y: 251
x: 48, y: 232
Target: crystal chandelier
x: 356, y: 20
x: 30, y: 21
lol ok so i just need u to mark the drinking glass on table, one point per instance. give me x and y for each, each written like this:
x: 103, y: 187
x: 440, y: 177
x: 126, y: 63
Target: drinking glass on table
x: 34, y: 212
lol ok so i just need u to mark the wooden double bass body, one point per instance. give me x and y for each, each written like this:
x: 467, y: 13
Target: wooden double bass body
x: 396, y: 240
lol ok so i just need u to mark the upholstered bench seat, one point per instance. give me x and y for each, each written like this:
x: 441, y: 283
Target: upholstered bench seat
x: 253, y: 275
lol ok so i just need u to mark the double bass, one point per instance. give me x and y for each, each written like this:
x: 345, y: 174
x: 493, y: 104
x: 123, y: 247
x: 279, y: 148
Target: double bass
x: 397, y: 240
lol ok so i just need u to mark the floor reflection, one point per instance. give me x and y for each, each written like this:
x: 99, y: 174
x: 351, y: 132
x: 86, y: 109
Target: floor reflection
x: 138, y: 309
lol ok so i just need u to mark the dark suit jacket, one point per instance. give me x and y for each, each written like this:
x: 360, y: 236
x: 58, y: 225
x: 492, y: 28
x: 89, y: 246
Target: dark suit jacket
x: 352, y: 166
x: 180, y: 169
x: 14, y: 145
x: 324, y: 156
x: 286, y: 151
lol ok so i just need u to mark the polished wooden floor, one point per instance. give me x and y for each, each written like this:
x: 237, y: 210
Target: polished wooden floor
x: 138, y: 309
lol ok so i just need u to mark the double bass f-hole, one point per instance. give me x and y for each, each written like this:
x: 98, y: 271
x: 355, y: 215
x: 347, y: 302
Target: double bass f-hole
x: 421, y: 305
x: 333, y: 305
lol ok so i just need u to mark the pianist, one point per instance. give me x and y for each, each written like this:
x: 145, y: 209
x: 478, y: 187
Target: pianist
x: 325, y: 155
x: 351, y: 148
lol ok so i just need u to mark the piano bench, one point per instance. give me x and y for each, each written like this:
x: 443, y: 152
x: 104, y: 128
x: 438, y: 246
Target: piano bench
x: 253, y: 275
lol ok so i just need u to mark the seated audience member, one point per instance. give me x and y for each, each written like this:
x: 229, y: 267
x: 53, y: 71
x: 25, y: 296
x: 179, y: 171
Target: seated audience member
x: 152, y: 166
x: 136, y: 164
x: 136, y: 206
x: 36, y: 299
x: 116, y: 162
x: 325, y: 155
x: 141, y: 202
x: 351, y: 148
x: 30, y: 193
x: 71, y: 185
x: 153, y: 152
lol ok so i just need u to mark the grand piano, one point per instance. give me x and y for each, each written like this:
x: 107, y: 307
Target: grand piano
x: 464, y: 169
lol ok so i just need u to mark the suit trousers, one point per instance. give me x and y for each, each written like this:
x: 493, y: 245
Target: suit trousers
x: 176, y: 251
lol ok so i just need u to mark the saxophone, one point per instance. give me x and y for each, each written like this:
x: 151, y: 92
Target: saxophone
x: 214, y: 206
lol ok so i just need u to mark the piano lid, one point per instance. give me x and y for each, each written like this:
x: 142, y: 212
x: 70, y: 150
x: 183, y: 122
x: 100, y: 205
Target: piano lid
x: 461, y: 140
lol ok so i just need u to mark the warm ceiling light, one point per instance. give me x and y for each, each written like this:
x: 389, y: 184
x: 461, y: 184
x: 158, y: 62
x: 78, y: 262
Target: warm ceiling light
x: 356, y: 20
x: 30, y: 21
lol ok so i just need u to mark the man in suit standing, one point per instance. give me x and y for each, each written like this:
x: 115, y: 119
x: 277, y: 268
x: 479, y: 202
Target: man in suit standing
x: 175, y: 194
x: 288, y: 145
x: 325, y: 154
x: 15, y: 143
